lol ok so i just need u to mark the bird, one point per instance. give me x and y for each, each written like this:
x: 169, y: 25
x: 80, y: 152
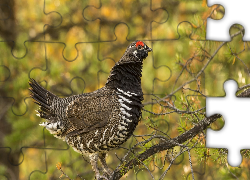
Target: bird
x: 96, y: 122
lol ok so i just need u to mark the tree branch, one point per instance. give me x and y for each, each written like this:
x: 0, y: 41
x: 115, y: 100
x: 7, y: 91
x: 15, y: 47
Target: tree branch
x: 170, y: 143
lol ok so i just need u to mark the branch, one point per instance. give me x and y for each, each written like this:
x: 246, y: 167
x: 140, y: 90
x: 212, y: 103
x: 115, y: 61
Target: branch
x: 170, y: 143
x: 118, y: 173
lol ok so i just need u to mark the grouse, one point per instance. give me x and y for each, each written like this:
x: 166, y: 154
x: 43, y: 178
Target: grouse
x: 96, y: 122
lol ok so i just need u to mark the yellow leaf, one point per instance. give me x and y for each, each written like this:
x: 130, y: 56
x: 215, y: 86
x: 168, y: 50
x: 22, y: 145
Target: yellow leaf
x: 59, y: 166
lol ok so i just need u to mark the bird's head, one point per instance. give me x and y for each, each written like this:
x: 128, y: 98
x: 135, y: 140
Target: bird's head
x: 129, y: 67
x: 137, y: 51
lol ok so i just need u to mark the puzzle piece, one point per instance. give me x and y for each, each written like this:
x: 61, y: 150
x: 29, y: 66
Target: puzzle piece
x: 29, y: 165
x: 176, y: 57
x: 234, y: 13
x: 139, y: 22
x: 23, y: 150
x: 189, y: 15
x: 74, y: 31
x: 230, y: 108
x: 232, y: 61
x: 68, y: 71
x: 16, y: 71
x: 19, y: 16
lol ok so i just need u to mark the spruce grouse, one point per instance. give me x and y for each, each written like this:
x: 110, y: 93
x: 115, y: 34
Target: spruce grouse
x: 96, y: 122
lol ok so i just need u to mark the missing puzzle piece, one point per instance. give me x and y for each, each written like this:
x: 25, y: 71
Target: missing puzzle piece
x: 234, y: 14
x: 236, y: 114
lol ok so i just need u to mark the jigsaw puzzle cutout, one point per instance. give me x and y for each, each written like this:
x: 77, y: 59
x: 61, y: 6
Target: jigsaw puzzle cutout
x: 61, y: 47
x: 218, y: 30
x: 235, y: 112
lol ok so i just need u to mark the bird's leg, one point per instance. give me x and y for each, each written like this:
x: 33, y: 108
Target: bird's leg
x: 107, y: 170
x: 93, y: 161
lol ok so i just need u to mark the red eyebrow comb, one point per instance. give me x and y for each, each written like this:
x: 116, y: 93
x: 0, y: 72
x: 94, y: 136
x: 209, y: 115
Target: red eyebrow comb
x: 139, y: 43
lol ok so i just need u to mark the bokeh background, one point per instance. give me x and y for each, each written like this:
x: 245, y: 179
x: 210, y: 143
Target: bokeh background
x: 69, y: 46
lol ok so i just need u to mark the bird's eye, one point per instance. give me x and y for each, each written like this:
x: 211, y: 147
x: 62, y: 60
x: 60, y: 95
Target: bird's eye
x: 139, y: 47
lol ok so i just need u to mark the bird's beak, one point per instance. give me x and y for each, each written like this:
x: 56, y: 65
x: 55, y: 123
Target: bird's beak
x: 149, y: 49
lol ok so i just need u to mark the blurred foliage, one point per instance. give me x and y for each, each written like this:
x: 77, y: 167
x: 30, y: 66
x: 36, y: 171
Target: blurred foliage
x: 70, y: 46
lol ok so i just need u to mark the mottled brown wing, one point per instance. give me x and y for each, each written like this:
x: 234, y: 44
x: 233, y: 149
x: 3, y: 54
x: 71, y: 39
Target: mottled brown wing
x: 90, y: 112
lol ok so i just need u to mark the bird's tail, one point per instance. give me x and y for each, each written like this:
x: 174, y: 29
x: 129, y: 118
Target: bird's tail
x: 44, y: 99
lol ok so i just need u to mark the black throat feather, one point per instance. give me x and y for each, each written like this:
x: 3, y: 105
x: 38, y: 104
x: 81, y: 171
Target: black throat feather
x: 127, y: 77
